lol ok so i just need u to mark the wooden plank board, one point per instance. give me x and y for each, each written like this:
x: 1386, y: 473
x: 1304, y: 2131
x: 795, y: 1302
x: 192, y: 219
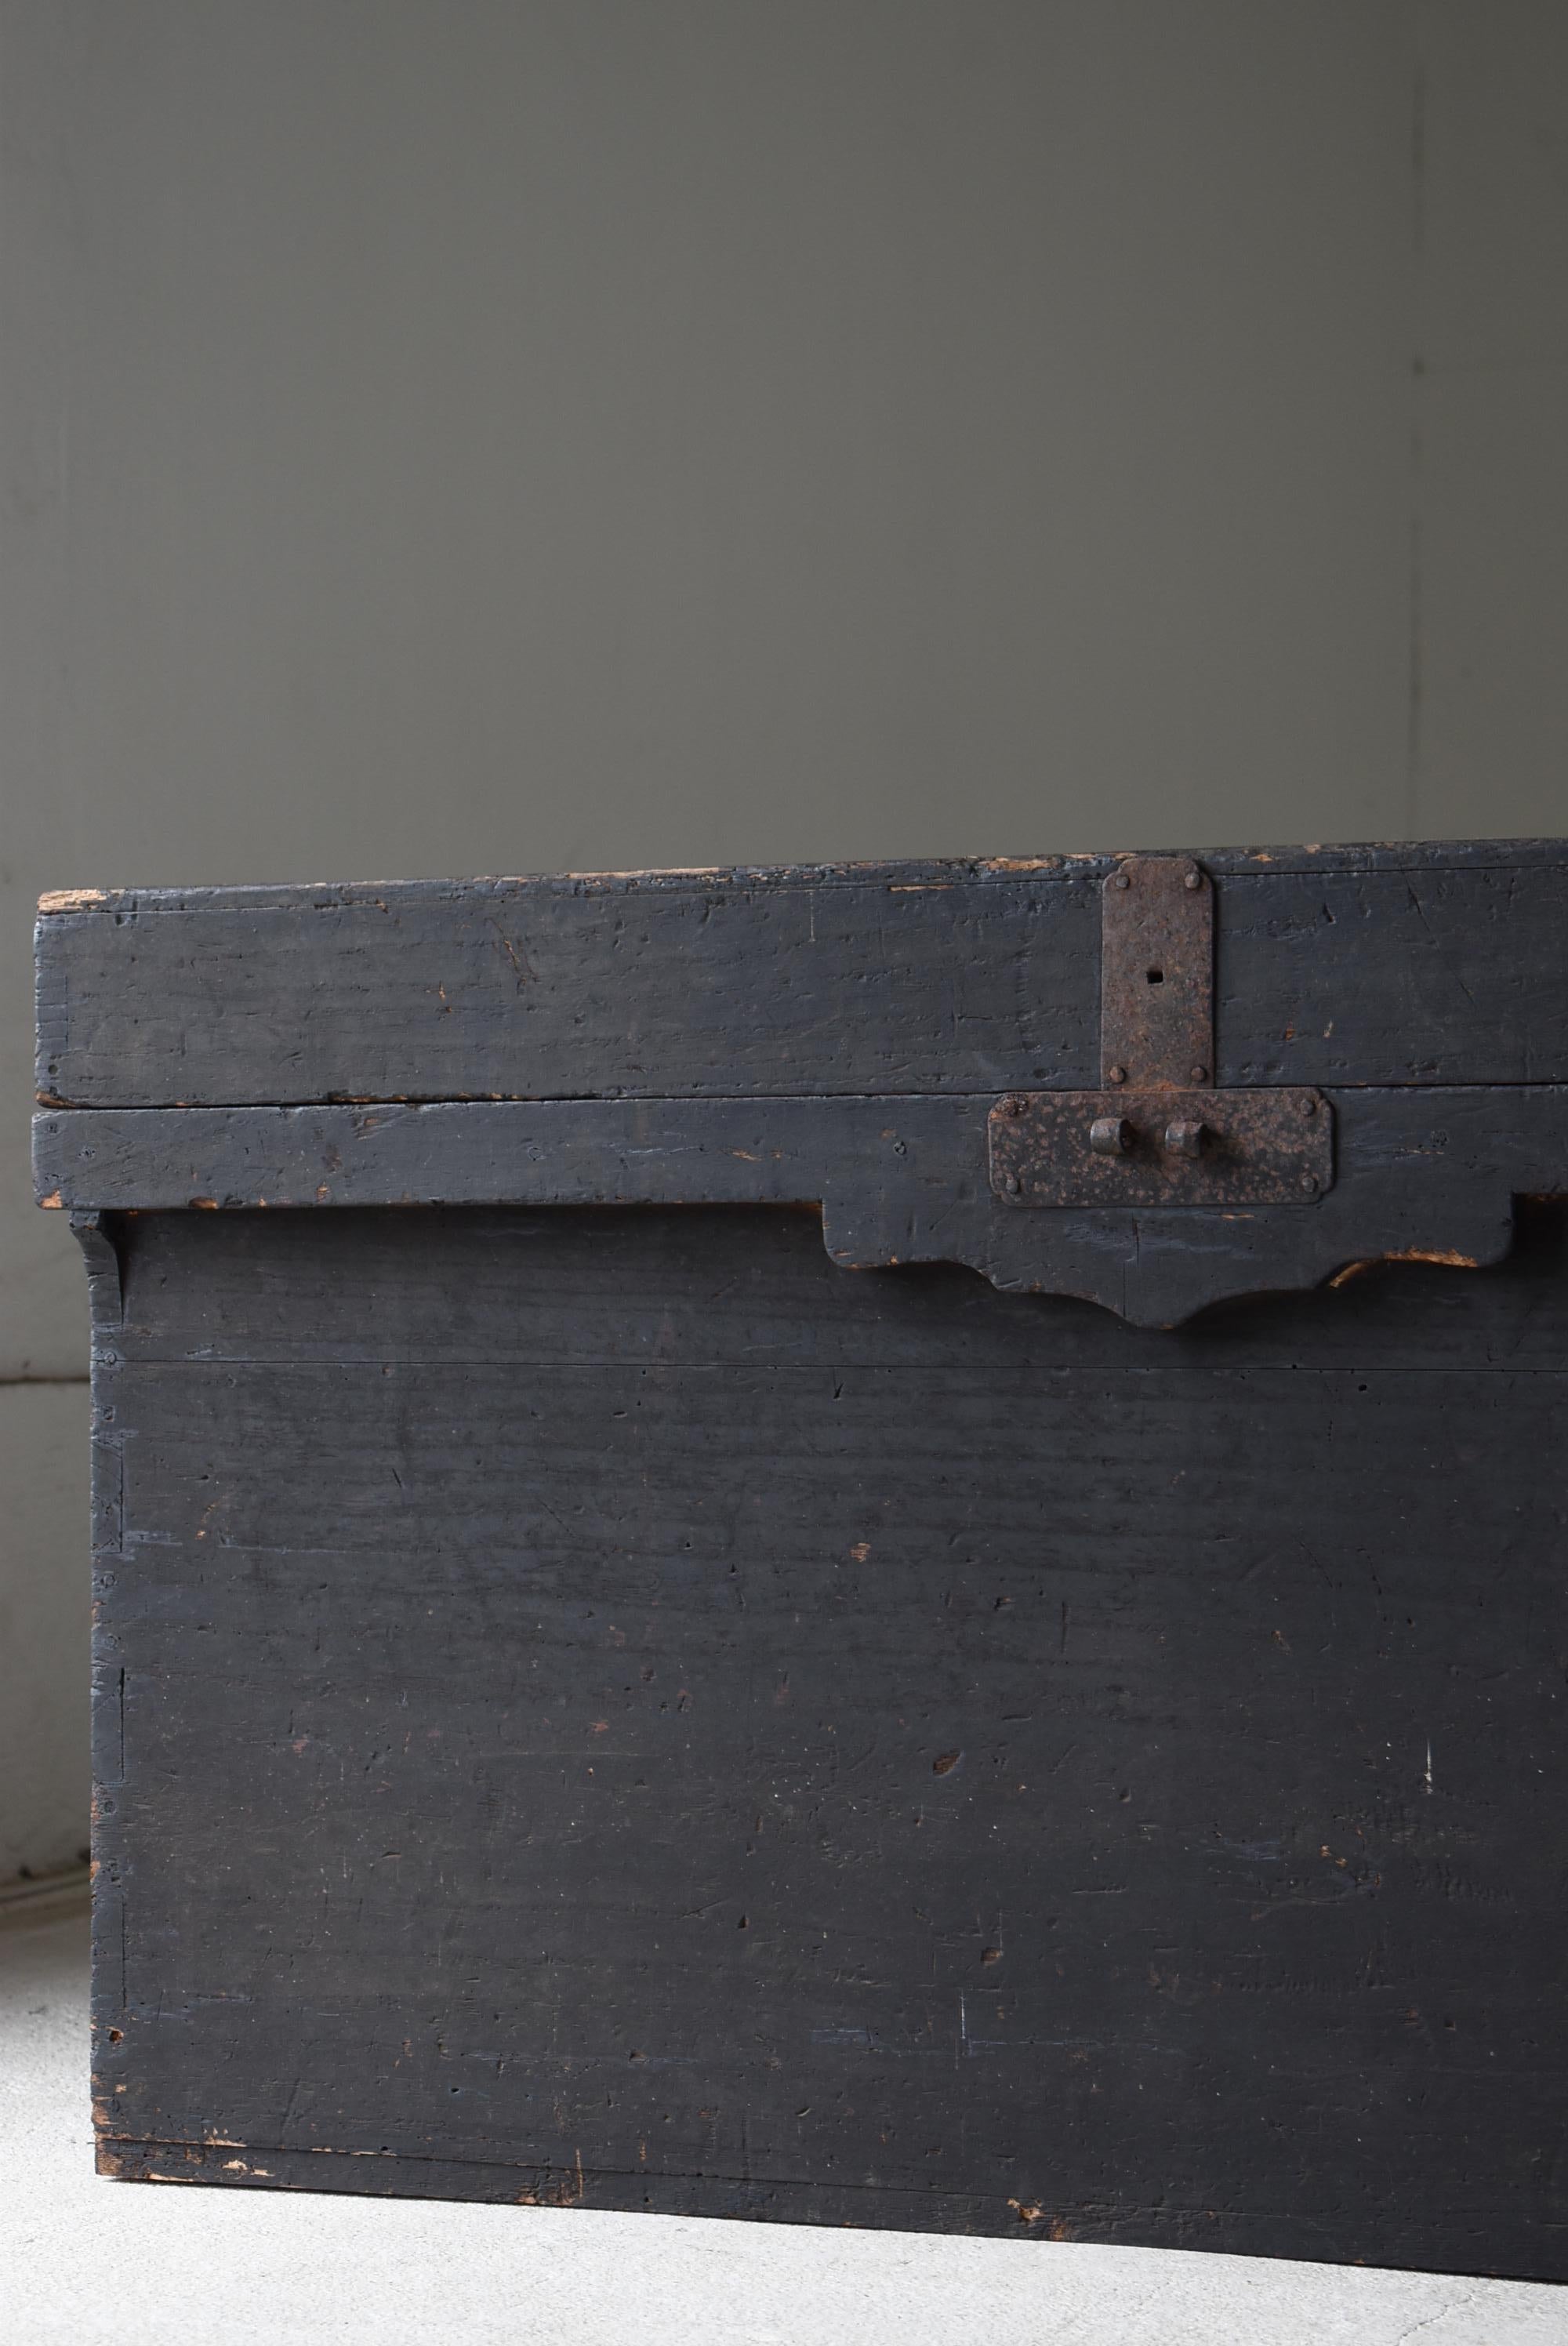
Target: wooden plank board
x: 544, y: 991
x: 700, y: 1731
x: 1345, y: 967
x: 1419, y: 1168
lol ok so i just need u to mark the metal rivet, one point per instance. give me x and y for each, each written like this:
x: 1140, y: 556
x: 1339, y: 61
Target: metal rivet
x: 1309, y: 1108
x: 1110, y: 1136
x: 1186, y: 1138
x: 1194, y: 878
x: 1116, y: 1075
x: 1197, y: 1075
x: 1310, y: 1182
x: 1120, y: 880
x: 1012, y: 1184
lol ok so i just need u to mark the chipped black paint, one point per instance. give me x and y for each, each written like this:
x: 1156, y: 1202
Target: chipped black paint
x: 489, y: 1623
x: 593, y: 1705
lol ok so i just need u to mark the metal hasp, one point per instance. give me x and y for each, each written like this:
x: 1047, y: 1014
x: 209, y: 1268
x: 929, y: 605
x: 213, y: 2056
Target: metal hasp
x: 1161, y: 1133
x: 1156, y: 974
x: 1265, y: 1148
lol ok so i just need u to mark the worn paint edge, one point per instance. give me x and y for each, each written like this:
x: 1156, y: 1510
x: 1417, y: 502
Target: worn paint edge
x: 1448, y: 1256
x: 1414, y: 855
x: 854, y: 2206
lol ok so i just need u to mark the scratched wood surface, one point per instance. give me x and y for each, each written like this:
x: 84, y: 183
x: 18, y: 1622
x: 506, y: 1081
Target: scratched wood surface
x: 604, y: 1706
x: 1410, y: 966
x: 1428, y: 1169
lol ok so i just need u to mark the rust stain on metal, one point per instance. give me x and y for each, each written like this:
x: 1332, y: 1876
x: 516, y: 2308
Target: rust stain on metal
x: 1160, y: 1148
x: 1157, y: 973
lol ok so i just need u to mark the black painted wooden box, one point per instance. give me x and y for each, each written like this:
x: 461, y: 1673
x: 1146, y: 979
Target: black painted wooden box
x: 1042, y: 1715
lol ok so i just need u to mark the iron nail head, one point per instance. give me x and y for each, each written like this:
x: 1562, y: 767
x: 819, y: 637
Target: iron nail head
x: 1198, y: 1075
x: 1194, y: 878
x: 1309, y: 1183
x: 1116, y: 1075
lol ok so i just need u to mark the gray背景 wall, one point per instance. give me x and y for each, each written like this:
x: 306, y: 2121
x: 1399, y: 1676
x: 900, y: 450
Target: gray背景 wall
x: 546, y: 434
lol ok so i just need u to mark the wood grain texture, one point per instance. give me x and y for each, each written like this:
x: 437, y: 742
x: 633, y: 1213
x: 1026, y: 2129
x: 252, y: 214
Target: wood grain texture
x: 1341, y: 967
x: 596, y: 1705
x: 898, y: 1180
x: 593, y: 1704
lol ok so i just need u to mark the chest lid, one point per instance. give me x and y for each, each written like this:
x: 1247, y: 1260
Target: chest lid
x: 1153, y: 1081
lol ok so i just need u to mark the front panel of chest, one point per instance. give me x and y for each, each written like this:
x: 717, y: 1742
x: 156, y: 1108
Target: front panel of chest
x: 608, y: 1705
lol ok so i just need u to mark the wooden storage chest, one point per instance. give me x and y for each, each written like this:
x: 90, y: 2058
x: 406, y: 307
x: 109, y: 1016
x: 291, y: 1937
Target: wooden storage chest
x: 1043, y: 1714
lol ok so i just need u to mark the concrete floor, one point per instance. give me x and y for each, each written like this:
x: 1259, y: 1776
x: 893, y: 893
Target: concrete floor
x: 88, y: 2260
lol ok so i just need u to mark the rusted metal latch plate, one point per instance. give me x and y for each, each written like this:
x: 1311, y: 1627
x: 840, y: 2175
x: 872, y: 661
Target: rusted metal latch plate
x: 1157, y: 973
x: 1116, y: 1147
x: 1161, y: 1133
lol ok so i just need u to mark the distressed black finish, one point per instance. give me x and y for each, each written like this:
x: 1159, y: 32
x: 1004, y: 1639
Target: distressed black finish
x: 626, y: 1673
x: 601, y: 1706
x: 1439, y: 965
x: 1418, y: 1170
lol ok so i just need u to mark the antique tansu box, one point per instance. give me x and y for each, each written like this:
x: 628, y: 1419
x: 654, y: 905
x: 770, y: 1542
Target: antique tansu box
x: 867, y: 1545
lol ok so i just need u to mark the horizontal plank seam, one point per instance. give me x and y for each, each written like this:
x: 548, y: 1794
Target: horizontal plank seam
x: 50, y: 1104
x: 748, y: 1364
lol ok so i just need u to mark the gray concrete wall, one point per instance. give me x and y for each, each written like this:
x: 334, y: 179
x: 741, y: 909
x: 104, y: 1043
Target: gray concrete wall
x: 543, y: 434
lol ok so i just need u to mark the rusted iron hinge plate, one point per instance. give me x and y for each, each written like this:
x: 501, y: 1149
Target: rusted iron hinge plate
x: 1156, y: 974
x: 1198, y: 1148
